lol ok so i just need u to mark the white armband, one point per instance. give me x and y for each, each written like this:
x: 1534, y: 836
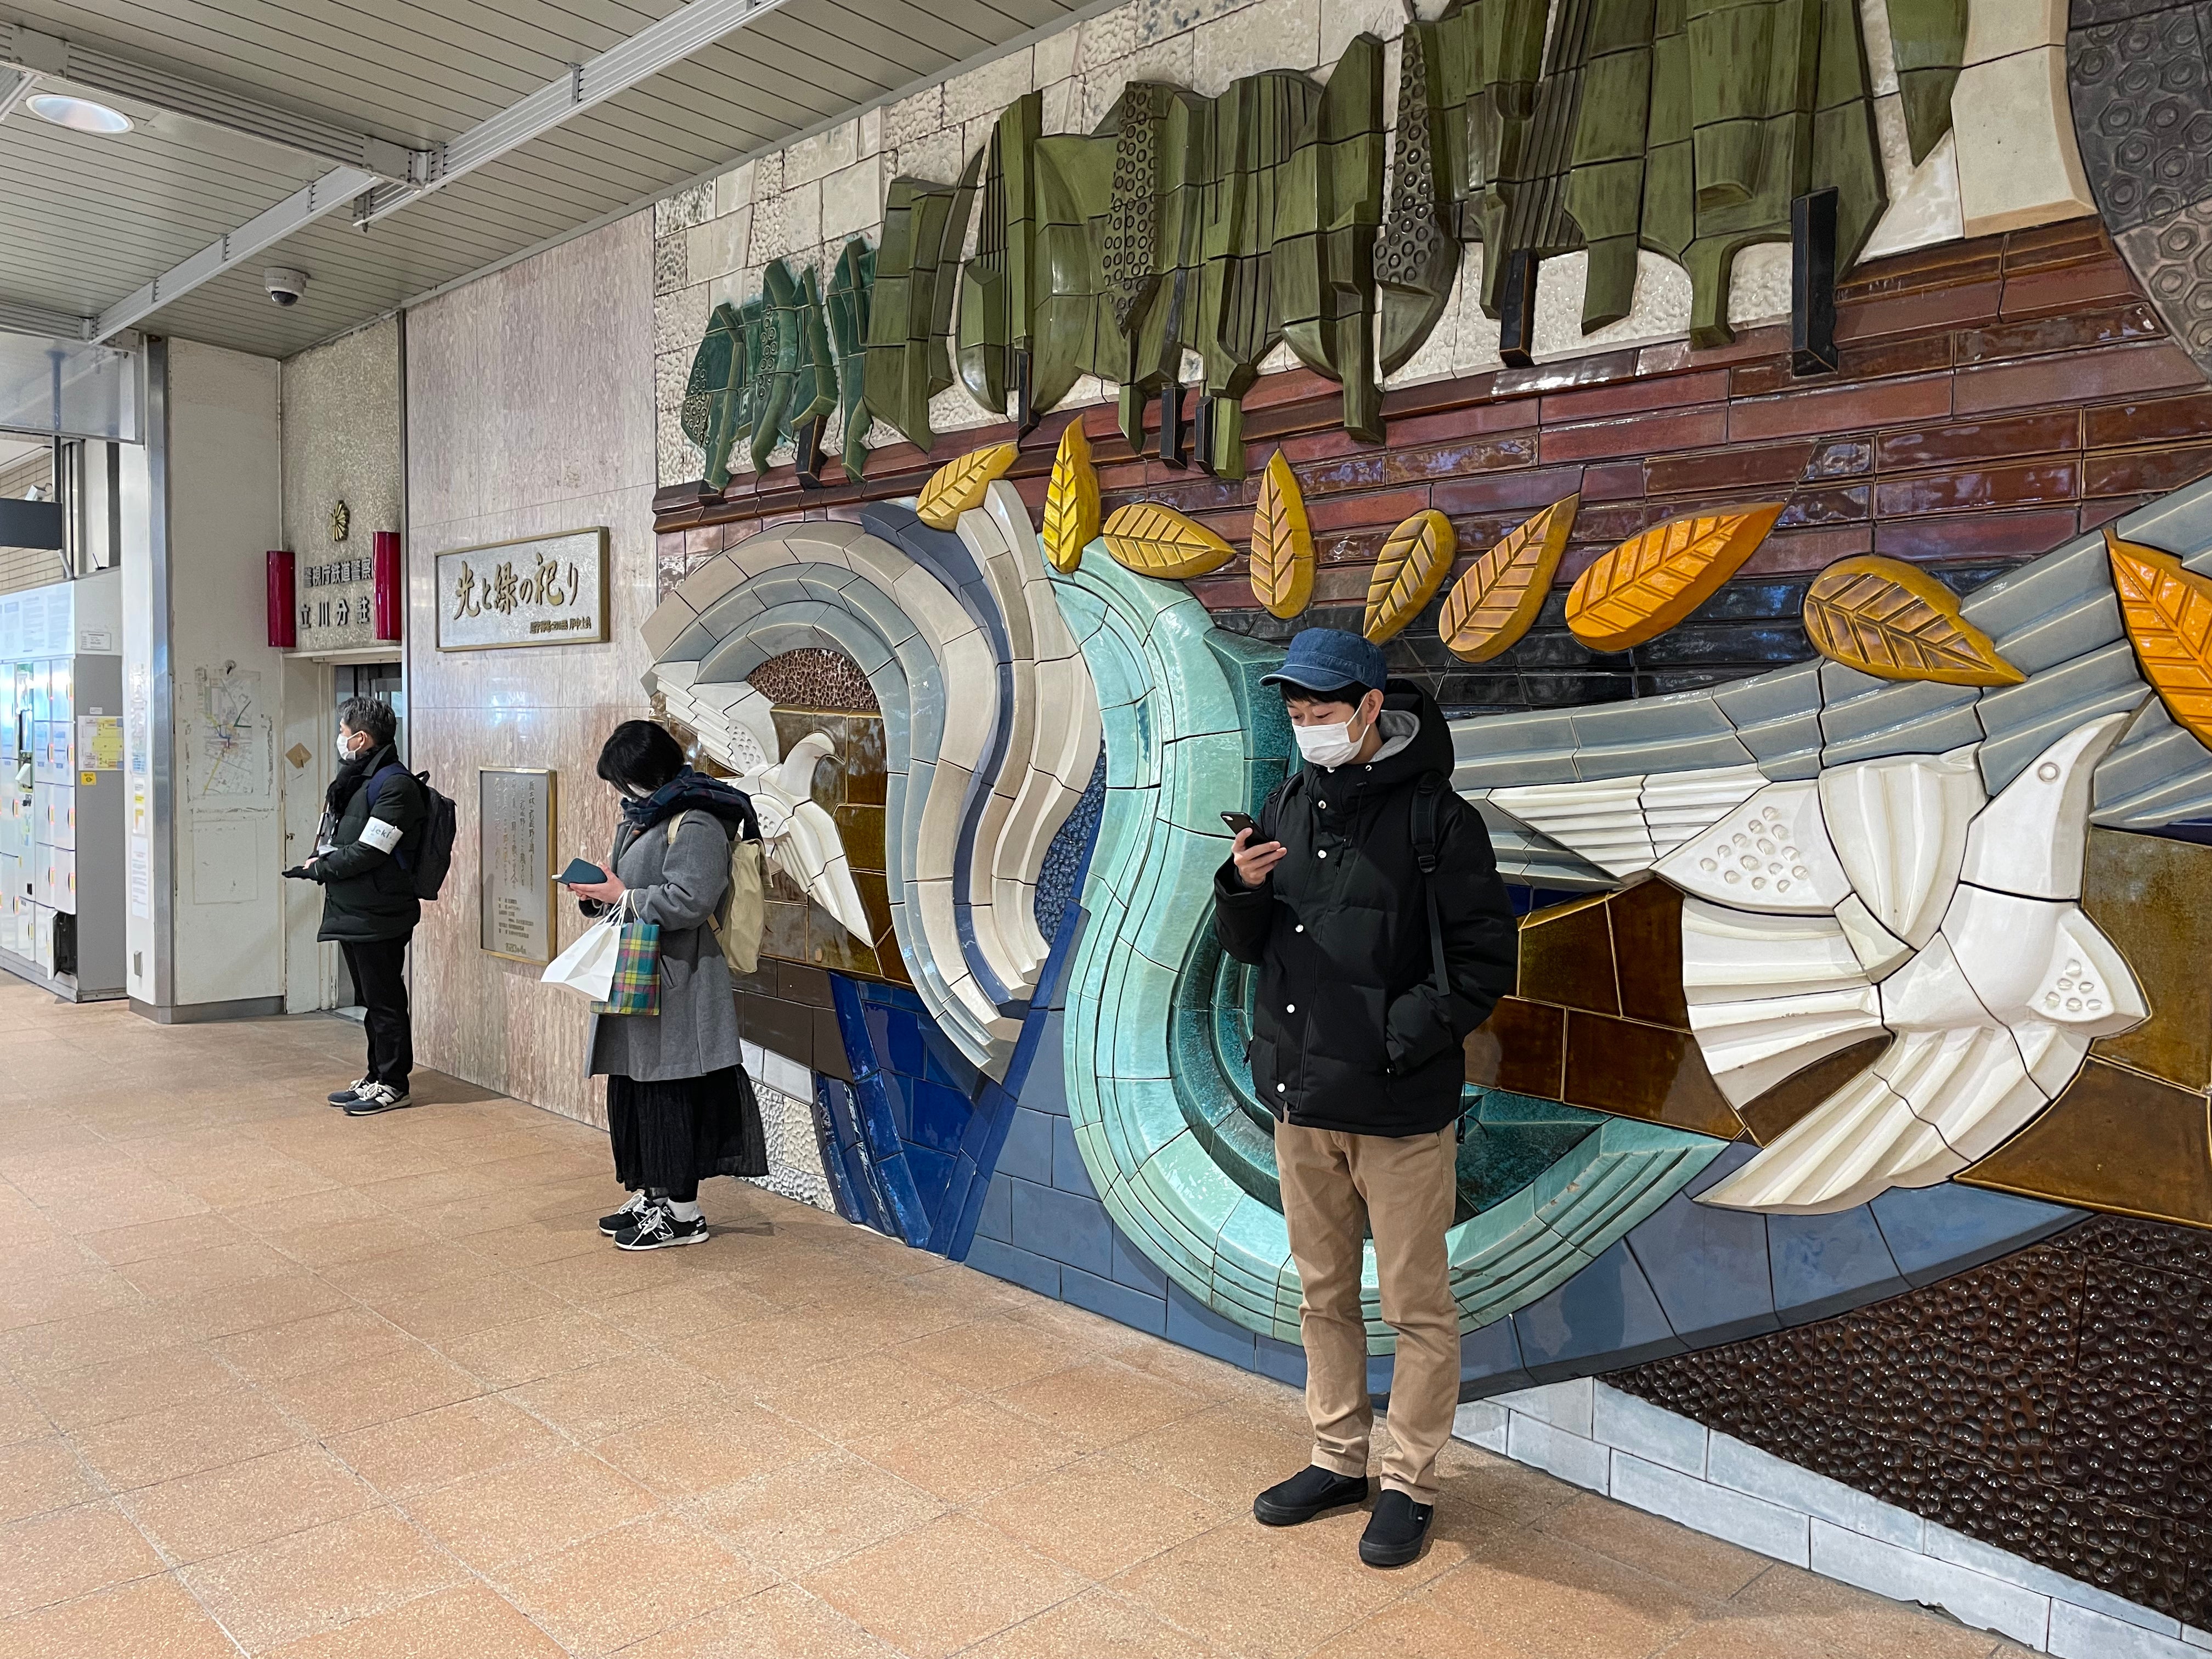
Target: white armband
x: 379, y: 835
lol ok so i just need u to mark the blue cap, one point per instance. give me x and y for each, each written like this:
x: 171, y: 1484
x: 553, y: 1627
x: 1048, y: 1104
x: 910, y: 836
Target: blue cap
x: 1322, y: 659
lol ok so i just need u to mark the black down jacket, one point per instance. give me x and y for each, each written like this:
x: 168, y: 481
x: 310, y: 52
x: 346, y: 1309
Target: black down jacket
x: 1348, y: 1029
x: 366, y: 894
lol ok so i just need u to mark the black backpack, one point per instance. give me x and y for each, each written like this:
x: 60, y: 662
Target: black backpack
x: 434, y: 855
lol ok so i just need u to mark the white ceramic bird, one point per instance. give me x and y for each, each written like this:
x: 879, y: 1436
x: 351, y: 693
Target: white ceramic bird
x: 1890, y: 896
x: 799, y: 836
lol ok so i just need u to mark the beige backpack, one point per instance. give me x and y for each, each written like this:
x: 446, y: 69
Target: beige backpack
x: 739, y: 920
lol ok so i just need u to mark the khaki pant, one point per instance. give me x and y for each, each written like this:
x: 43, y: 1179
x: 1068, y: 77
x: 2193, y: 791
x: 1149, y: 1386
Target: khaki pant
x: 1404, y: 1189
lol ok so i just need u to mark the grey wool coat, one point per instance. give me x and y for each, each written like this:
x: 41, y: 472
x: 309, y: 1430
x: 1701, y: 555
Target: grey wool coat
x: 678, y: 887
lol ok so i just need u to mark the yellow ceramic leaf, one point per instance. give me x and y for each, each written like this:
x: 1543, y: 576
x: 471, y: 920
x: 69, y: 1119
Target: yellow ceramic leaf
x: 1650, y: 582
x: 2168, y: 614
x: 1493, y: 603
x: 959, y: 485
x: 1282, y: 542
x: 1887, y: 618
x: 1070, y: 501
x: 1158, y: 541
x: 1413, y: 564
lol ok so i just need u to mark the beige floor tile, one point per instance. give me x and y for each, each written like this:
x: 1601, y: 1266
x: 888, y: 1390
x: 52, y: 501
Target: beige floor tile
x: 802, y: 1516
x: 347, y: 1336
x: 412, y: 1455
x: 282, y: 1218
x: 1100, y: 1515
x: 1416, y: 1628
x: 88, y: 1338
x: 1558, y: 1598
x: 759, y: 1354
x: 1101, y: 1402
x: 363, y: 1393
x: 166, y: 1277
x: 278, y: 1300
x: 709, y: 1444
x: 346, y: 1242
x: 1704, y: 1567
x: 631, y: 1583
x: 43, y: 1474
x: 510, y: 1354
x: 148, y: 1619
x: 175, y: 1441
x: 533, y: 1243
x: 69, y: 1553
x: 1094, y: 1625
x: 781, y: 1622
x: 380, y: 1280
x: 87, y: 1394
x: 153, y: 1239
x: 320, y: 1580
x: 1514, y: 1492
x: 975, y: 1449
x: 469, y: 1622
x: 1792, y: 1605
x: 48, y: 1298
x: 518, y: 1513
x: 678, y: 1313
x: 987, y: 1355
x: 242, y: 1505
x: 943, y: 1586
x: 494, y: 1299
x: 20, y: 1417
x: 593, y: 1401
x: 1220, y: 1454
x: 1243, y: 1596
x: 862, y: 1396
x: 410, y: 1193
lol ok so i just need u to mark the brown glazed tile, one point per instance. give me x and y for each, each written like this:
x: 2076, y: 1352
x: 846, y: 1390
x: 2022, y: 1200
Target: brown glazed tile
x: 1954, y: 305
x: 1636, y: 396
x: 1647, y: 949
x: 1635, y: 434
x: 69, y: 1553
x: 1457, y: 460
x: 2001, y: 439
x: 2115, y: 1140
x: 1511, y: 493
x: 2070, y: 288
x: 2065, y: 332
x: 631, y: 1583
x: 1646, y: 1072
x: 2144, y: 471
x: 1870, y: 360
x: 242, y: 1505
x: 1739, y: 466
x: 1978, y: 488
x: 467, y: 1622
x: 1566, y: 956
x: 1521, y: 1047
x: 1840, y: 409
x: 2148, y: 419
x: 2148, y: 895
x: 943, y: 1587
x: 1093, y: 1626
x: 2114, y: 371
x: 2019, y: 534
x: 147, y: 1618
x: 1769, y: 1114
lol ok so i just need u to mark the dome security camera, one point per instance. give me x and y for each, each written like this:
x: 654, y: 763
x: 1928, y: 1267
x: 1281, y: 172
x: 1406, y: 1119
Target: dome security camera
x: 285, y: 285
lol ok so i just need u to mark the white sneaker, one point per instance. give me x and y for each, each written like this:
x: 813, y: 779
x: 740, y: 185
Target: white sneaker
x: 376, y: 1098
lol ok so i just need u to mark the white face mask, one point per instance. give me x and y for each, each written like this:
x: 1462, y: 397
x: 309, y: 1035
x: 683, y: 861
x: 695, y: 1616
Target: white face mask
x: 345, y: 749
x: 1329, y: 745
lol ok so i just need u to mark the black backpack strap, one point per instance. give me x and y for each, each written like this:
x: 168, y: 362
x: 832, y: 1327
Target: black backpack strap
x: 1428, y: 798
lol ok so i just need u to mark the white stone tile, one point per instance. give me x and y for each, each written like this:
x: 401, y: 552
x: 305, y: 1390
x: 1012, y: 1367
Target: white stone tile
x: 1482, y: 1423
x: 1730, y: 1462
x: 989, y: 88
x: 1881, y: 48
x: 1570, y: 1456
x: 1923, y: 200
x: 734, y: 189
x: 1102, y: 39
x: 1998, y: 28
x: 786, y: 1074
x: 1652, y: 1432
x: 2018, y: 165
x: 852, y: 199
x: 720, y: 245
x: 1567, y: 1405
x: 1063, y: 104
x: 2078, y: 1633
x: 1973, y: 1598
x: 871, y: 139
x: 1956, y: 1547
x: 2195, y: 1638
x: 914, y: 118
x: 1342, y: 19
x: 1758, y: 283
x: 1053, y: 58
x: 936, y: 157
x: 816, y: 158
x: 1717, y: 1512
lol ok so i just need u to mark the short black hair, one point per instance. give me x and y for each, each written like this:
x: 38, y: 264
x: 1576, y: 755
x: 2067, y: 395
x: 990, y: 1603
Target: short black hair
x: 1350, y: 693
x: 640, y: 754
x: 371, y: 715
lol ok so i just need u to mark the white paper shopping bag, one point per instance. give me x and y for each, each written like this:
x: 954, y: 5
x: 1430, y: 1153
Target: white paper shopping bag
x: 587, y: 966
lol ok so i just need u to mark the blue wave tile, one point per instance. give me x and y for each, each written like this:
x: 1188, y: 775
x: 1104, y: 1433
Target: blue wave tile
x: 1828, y: 1264
x: 1934, y: 1231
x: 1195, y: 1325
x: 1708, y: 1266
x: 932, y: 1173
x: 1284, y: 1361
x: 1118, y: 1303
x: 940, y: 1116
x: 1015, y: 1265
x: 1028, y: 1151
x: 903, y: 1049
x: 994, y: 1217
x: 1608, y: 1310
x: 1063, y: 1227
x: 1490, y: 1361
x: 1068, y: 1173
x: 1039, y: 1075
x: 1131, y: 1266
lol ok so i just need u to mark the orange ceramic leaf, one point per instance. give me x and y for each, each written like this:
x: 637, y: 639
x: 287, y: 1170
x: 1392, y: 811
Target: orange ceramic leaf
x: 1493, y: 603
x: 1158, y: 541
x: 1412, y: 565
x: 959, y: 485
x: 1070, y: 501
x: 2169, y: 613
x: 1650, y: 582
x: 1894, y: 621
x: 1282, y: 542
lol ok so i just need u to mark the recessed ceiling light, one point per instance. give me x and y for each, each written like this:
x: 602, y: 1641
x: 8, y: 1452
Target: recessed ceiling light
x: 77, y: 114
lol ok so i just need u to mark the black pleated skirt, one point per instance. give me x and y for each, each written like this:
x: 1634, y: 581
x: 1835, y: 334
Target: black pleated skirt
x: 671, y: 1134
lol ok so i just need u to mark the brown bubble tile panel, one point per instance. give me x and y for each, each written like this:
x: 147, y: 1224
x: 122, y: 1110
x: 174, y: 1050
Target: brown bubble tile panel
x: 2115, y: 1140
x: 814, y: 677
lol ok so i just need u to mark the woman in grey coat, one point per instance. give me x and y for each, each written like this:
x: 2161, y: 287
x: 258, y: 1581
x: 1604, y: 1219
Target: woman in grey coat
x: 679, y: 1105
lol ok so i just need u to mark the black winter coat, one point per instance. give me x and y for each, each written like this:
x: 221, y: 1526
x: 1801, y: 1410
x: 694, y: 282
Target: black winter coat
x: 1348, y: 1031
x: 367, y: 895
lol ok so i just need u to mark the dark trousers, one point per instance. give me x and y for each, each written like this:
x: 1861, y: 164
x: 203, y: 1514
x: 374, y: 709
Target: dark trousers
x: 379, y: 977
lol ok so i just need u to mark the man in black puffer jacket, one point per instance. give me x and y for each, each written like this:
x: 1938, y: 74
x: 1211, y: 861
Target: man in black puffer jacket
x: 1366, y: 992
x: 373, y: 827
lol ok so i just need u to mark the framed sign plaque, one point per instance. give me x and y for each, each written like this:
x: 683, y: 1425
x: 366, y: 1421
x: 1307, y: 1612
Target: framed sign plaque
x: 546, y: 590
x: 515, y: 893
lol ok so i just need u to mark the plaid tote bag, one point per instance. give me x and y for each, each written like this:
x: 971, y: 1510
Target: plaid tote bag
x: 635, y: 988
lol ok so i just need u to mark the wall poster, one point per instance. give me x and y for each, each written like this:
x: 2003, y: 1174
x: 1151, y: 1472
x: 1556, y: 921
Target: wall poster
x: 515, y: 894
x: 546, y: 590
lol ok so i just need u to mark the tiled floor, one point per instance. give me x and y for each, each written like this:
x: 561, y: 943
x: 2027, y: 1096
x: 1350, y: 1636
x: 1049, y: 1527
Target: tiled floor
x: 283, y: 1383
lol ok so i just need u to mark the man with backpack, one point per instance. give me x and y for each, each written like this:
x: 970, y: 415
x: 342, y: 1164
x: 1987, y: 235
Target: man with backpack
x: 367, y: 861
x: 1369, y: 899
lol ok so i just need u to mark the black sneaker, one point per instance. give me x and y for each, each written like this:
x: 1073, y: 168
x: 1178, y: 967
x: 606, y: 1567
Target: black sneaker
x: 626, y: 1218
x: 376, y: 1098
x: 1397, y: 1531
x: 351, y: 1093
x: 1312, y: 1492
x: 658, y: 1227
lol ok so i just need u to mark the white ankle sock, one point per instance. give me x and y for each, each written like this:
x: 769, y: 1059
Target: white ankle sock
x: 685, y: 1211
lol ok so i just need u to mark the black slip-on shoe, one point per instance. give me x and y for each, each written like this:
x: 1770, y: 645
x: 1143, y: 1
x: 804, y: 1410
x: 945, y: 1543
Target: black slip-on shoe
x: 1312, y: 1492
x: 1397, y: 1531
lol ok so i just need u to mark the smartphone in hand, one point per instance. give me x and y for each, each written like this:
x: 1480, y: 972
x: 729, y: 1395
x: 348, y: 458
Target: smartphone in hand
x: 1239, y: 822
x: 581, y: 873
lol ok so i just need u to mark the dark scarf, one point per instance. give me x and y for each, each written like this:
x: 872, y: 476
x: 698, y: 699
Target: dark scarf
x: 692, y: 792
x: 351, y: 775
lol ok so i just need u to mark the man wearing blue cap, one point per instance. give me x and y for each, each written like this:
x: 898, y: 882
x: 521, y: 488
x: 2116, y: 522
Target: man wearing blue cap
x: 1369, y: 899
